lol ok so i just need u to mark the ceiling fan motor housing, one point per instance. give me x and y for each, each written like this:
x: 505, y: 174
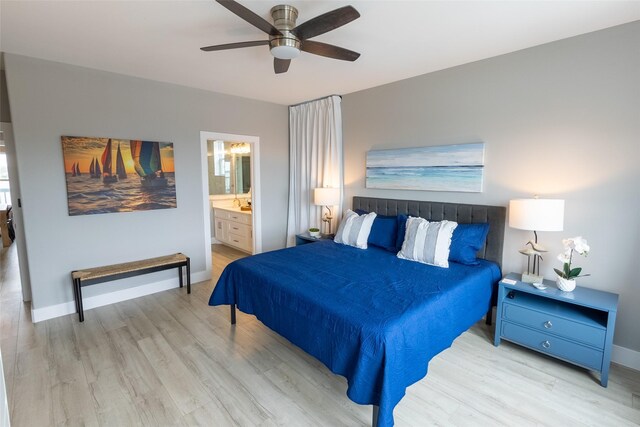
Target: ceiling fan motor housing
x: 287, y: 45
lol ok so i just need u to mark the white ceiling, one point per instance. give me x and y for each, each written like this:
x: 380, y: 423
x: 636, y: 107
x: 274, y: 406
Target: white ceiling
x: 160, y: 40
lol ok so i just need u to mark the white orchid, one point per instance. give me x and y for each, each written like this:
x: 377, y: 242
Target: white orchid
x: 577, y: 244
x: 565, y: 256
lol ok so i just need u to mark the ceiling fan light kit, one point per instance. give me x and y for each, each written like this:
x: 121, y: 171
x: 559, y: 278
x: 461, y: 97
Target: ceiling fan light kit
x: 286, y: 45
x: 286, y: 40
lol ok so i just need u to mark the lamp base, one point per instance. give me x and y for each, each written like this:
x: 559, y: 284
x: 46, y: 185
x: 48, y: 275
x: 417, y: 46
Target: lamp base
x: 327, y: 218
x: 531, y: 278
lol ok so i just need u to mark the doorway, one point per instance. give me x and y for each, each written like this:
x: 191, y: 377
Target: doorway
x: 236, y: 183
x: 12, y: 196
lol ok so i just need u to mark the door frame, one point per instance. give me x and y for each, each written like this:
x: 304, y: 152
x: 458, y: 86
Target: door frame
x: 14, y: 183
x: 255, y: 186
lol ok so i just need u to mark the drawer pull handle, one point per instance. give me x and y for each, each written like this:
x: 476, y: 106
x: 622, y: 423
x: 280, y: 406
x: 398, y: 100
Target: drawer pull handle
x: 546, y: 344
x: 236, y: 241
x: 548, y: 324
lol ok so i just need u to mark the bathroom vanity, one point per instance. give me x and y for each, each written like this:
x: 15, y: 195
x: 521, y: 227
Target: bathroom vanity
x: 233, y: 227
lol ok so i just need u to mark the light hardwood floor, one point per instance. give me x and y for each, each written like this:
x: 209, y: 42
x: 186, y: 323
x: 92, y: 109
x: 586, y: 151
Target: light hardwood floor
x: 170, y: 359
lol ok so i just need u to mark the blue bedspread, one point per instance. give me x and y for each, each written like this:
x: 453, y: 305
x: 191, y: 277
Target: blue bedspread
x: 366, y: 314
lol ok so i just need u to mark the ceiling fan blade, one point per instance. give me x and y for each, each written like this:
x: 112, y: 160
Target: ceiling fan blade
x: 326, y: 22
x: 234, y: 45
x: 281, y: 65
x: 329, y: 50
x: 253, y: 19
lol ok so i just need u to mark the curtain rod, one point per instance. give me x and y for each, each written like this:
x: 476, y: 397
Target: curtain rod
x: 313, y: 100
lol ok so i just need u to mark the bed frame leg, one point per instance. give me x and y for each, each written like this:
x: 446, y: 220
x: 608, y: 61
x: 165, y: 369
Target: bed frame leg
x: 233, y: 314
x: 489, y: 316
x: 374, y: 418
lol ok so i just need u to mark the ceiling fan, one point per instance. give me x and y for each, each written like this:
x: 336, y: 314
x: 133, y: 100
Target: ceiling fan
x: 286, y: 40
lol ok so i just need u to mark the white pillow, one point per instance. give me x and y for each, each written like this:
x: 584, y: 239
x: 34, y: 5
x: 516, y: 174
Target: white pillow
x: 427, y: 242
x: 354, y: 229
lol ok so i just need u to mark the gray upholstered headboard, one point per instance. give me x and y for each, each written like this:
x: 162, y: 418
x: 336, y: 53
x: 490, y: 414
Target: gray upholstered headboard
x: 437, y: 211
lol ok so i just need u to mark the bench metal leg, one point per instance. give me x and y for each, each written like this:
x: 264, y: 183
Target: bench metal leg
x: 79, y: 294
x: 374, y: 417
x: 188, y: 275
x: 75, y: 295
x: 188, y: 268
x: 233, y: 314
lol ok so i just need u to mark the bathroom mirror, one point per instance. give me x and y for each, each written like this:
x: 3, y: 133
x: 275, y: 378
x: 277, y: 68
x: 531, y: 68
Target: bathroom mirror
x: 229, y: 167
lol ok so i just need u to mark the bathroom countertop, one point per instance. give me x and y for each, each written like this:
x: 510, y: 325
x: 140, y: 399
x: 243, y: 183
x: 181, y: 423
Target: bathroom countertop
x: 232, y: 209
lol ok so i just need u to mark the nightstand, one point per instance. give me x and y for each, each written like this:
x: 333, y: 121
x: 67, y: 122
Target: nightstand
x: 304, y: 238
x: 576, y: 327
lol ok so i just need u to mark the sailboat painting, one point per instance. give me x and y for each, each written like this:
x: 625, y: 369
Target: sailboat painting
x: 106, y: 175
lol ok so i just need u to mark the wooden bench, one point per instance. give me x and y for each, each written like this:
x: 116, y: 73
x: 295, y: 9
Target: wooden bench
x: 92, y: 276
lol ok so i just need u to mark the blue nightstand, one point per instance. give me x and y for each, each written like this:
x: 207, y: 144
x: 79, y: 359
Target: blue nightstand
x: 304, y: 238
x: 576, y: 327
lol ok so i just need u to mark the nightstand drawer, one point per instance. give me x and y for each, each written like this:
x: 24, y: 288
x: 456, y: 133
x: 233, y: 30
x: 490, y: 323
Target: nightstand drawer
x: 549, y: 323
x: 550, y: 344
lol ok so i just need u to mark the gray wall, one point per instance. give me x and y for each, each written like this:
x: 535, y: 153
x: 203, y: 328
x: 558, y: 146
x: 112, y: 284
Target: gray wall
x: 559, y: 120
x: 51, y: 99
x: 5, y: 113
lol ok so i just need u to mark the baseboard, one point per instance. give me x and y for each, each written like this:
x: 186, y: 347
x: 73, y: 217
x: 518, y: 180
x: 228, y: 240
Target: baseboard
x: 626, y: 357
x: 58, y: 310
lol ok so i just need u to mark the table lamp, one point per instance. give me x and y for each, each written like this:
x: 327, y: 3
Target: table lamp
x: 535, y: 215
x: 326, y: 197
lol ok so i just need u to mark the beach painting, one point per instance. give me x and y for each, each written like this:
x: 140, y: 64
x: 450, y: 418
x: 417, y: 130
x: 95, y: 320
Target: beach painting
x: 107, y: 175
x: 437, y: 168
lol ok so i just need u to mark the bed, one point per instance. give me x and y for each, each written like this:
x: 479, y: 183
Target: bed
x: 366, y: 314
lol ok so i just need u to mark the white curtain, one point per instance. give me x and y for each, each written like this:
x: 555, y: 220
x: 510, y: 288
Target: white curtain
x: 315, y: 160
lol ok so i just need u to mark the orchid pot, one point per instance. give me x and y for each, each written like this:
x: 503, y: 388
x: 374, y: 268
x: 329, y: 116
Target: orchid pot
x: 566, y: 280
x: 565, y: 285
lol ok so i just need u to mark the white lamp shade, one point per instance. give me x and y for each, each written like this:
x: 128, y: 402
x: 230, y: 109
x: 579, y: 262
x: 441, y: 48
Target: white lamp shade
x: 537, y: 214
x: 326, y: 196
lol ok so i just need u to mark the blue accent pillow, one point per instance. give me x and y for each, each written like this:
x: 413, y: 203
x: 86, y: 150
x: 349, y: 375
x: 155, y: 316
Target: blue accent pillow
x: 402, y: 230
x: 384, y: 231
x: 466, y: 241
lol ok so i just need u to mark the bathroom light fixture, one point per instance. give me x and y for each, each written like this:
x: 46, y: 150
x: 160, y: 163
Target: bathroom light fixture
x: 240, y: 148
